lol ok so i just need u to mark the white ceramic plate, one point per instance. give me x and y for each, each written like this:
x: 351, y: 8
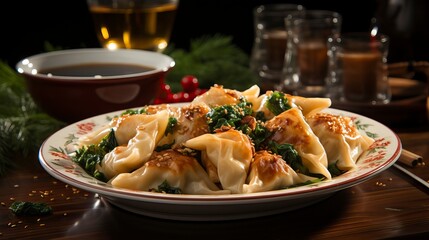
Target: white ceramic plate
x: 384, y: 152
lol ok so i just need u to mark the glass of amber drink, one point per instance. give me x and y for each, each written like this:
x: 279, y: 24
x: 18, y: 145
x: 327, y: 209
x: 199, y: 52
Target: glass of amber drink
x: 133, y: 24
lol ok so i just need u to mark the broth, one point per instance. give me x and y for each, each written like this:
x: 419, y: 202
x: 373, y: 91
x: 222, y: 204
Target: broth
x: 96, y: 69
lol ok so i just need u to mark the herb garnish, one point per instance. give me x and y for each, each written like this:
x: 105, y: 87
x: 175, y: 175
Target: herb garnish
x: 89, y: 156
x: 21, y: 208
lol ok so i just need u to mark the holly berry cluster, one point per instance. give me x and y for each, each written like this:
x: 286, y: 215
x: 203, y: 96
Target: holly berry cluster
x: 190, y: 89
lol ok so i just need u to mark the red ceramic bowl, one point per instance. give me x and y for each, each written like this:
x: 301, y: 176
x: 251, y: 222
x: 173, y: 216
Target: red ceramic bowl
x: 74, y: 84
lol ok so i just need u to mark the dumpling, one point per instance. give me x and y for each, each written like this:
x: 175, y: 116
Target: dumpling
x: 291, y: 127
x: 171, y: 167
x: 270, y: 172
x: 230, y: 152
x: 217, y: 95
x: 191, y: 122
x: 308, y: 105
x: 126, y: 158
x: 124, y: 127
x: 342, y: 141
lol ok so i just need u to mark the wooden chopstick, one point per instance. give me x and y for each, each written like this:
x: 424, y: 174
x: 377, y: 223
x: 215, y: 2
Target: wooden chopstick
x: 415, y: 177
x: 409, y: 158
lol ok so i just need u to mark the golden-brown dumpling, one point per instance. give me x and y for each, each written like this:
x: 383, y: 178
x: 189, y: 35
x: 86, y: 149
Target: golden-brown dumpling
x: 308, y: 105
x: 342, y: 141
x: 136, y: 152
x: 191, y: 122
x: 291, y: 127
x: 171, y: 167
x: 230, y: 152
x: 270, y: 172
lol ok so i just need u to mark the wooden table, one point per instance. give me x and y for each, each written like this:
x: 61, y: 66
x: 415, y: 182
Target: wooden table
x: 390, y: 205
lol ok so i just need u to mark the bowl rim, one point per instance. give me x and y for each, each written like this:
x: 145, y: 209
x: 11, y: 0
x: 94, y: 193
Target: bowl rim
x: 25, y: 65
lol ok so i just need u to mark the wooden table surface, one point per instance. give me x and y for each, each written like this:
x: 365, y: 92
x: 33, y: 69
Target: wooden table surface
x: 390, y: 205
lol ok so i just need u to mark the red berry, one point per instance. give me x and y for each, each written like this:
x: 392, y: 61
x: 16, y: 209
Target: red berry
x: 189, y: 83
x: 164, y: 95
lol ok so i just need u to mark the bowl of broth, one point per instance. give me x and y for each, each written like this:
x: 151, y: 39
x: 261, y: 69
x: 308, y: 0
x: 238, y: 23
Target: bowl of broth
x: 75, y: 84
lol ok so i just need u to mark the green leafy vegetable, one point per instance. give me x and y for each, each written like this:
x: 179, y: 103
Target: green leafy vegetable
x: 30, y: 208
x: 289, y: 154
x: 164, y: 187
x: 228, y: 115
x: 334, y: 170
x: 308, y: 182
x: 277, y: 103
x: 134, y: 111
x: 213, y: 60
x: 259, y: 135
x: 23, y: 126
x: 172, y: 122
x: 89, y: 156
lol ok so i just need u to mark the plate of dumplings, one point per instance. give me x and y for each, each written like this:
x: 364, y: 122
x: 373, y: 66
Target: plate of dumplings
x: 226, y: 155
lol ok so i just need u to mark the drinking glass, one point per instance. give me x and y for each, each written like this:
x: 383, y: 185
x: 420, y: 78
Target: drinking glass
x: 358, y: 68
x: 305, y: 68
x: 269, y: 44
x: 136, y: 24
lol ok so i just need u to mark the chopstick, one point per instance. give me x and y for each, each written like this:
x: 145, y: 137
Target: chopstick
x: 415, y: 177
x: 409, y: 158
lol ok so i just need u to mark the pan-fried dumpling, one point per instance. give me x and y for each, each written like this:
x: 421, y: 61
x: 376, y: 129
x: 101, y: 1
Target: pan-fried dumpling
x: 218, y: 95
x: 341, y: 139
x: 179, y: 172
x: 230, y: 152
x: 124, y: 127
x: 291, y: 127
x: 191, y: 122
x: 270, y: 172
x: 126, y: 158
x: 308, y: 105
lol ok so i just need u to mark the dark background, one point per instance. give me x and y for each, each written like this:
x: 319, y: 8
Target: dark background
x: 27, y: 26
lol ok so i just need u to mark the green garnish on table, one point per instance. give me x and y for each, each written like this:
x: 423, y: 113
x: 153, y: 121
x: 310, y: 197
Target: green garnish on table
x: 24, y: 126
x: 22, y: 208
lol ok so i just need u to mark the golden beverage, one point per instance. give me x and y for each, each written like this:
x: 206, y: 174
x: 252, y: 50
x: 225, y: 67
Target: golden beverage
x: 275, y: 43
x: 361, y: 74
x: 313, y: 62
x: 143, y: 27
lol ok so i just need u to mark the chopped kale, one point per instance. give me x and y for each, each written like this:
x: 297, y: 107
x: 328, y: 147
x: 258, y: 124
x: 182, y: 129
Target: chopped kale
x: 134, y: 111
x: 277, y: 103
x: 290, y: 155
x: 164, y: 187
x: 259, y: 135
x: 228, y: 115
x: 89, y: 156
x: 334, y: 170
x: 21, y: 208
x: 172, y: 122
x: 308, y: 182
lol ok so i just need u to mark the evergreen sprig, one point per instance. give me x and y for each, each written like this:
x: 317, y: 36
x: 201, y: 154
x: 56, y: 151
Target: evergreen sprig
x: 213, y: 60
x: 23, y: 126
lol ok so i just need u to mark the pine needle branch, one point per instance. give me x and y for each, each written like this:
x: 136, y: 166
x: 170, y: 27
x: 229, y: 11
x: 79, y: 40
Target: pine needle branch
x: 23, y: 126
x: 212, y: 59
